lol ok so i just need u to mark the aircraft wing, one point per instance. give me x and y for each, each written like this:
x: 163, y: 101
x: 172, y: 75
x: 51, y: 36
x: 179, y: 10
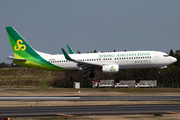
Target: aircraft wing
x: 13, y: 58
x: 83, y: 65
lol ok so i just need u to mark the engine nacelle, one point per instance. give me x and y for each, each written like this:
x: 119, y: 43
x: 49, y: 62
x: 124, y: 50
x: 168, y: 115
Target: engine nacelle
x: 110, y: 68
x: 163, y: 67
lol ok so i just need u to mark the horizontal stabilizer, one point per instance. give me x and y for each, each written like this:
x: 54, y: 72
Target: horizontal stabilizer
x: 13, y: 58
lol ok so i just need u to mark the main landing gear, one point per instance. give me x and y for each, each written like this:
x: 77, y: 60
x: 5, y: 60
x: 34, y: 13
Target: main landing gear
x: 91, y: 75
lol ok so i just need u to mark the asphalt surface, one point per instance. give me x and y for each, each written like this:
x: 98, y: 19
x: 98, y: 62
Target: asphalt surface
x: 91, y: 98
x: 88, y: 110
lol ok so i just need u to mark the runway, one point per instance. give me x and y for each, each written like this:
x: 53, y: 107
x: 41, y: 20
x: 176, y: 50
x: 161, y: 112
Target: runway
x: 90, y: 98
x: 88, y: 110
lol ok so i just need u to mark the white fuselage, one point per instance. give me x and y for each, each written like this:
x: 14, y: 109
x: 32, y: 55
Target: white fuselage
x: 125, y: 60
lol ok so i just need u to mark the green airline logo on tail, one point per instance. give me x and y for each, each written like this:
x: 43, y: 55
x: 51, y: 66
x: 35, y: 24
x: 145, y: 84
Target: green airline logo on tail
x: 19, y: 46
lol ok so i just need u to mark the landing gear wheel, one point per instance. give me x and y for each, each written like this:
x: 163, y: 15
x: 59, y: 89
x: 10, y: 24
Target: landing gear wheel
x: 91, y: 75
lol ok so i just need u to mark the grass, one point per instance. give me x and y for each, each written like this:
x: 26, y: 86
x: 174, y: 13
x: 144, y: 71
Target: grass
x: 107, y: 117
x: 136, y: 89
x: 105, y: 91
x: 78, y: 103
x: 20, y: 77
x: 157, y: 114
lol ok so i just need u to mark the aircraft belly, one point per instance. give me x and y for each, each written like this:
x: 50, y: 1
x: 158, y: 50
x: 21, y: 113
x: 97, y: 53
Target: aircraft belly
x: 70, y: 66
x: 135, y: 64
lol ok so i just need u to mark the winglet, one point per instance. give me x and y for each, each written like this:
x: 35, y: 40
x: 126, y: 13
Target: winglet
x: 70, y: 50
x: 66, y: 55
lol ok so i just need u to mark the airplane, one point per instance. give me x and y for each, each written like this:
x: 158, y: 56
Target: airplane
x: 107, y: 62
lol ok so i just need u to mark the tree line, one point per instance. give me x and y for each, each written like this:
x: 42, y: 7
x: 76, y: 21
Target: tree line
x: 7, y: 65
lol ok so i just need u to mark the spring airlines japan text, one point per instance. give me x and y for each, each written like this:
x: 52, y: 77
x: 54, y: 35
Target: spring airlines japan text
x: 125, y: 55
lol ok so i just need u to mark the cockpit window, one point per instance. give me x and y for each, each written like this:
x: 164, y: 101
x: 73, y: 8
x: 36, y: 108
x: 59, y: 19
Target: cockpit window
x: 165, y: 55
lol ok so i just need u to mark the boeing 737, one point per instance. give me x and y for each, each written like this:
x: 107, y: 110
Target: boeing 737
x: 107, y: 62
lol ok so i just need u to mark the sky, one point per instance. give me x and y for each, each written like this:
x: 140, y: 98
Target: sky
x: 88, y: 25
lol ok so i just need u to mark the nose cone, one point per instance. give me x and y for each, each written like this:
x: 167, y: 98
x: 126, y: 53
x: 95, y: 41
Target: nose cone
x: 173, y: 59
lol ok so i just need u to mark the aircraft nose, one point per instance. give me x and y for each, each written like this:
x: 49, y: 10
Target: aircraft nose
x: 173, y: 59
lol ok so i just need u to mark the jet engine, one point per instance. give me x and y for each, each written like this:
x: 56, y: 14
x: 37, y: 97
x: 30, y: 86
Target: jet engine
x: 114, y: 68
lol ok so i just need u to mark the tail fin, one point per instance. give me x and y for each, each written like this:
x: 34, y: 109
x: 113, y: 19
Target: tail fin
x: 20, y: 47
x: 25, y: 55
